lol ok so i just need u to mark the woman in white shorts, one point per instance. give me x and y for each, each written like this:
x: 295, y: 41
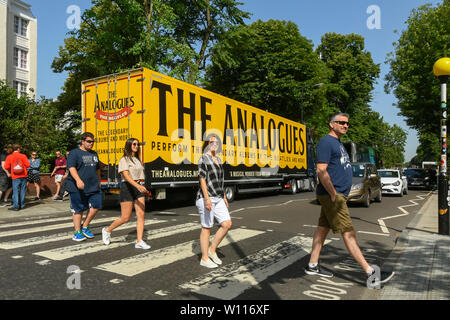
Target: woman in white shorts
x: 211, y: 202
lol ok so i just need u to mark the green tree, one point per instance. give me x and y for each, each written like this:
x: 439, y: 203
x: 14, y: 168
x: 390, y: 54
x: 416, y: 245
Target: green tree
x: 270, y: 65
x: 32, y: 124
x: 426, y: 39
x: 170, y: 36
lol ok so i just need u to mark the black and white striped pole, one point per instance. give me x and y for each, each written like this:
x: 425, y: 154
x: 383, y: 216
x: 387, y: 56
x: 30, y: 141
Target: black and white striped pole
x: 441, y: 69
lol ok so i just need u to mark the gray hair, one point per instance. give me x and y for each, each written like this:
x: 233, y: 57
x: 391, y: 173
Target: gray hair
x: 338, y: 114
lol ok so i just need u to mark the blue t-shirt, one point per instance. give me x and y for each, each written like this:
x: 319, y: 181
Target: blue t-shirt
x: 86, y: 163
x: 331, y: 151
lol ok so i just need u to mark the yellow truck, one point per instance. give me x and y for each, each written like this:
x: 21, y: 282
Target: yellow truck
x: 261, y: 152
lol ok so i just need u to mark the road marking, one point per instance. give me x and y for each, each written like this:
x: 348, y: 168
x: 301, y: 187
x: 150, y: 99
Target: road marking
x: 165, y: 212
x: 50, y: 227
x: 153, y: 259
x: 270, y: 221
x: 309, y: 225
x: 59, y: 236
x: 232, y: 280
x: 374, y: 233
x: 25, y: 223
x: 116, y: 242
x: 162, y: 293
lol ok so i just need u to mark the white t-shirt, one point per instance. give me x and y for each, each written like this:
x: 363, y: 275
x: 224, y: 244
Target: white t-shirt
x: 134, y: 167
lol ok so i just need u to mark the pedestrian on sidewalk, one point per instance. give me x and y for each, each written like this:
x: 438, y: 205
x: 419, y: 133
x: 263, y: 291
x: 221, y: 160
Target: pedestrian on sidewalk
x: 211, y: 201
x: 59, y: 171
x: 33, y: 173
x: 83, y: 185
x: 335, y: 180
x: 62, y: 191
x: 5, y: 178
x: 17, y: 163
x: 132, y: 193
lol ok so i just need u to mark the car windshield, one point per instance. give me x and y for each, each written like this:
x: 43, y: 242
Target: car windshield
x: 388, y: 174
x: 358, y: 170
x: 415, y: 172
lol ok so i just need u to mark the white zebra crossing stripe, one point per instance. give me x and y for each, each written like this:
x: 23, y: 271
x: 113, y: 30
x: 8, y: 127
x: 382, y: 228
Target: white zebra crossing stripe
x: 37, y: 221
x: 232, y: 280
x: 153, y: 259
x: 14, y: 244
x: 50, y: 227
x: 116, y: 242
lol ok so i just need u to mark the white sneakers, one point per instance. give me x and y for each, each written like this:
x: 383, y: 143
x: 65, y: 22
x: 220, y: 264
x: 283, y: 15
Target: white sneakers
x: 212, y: 262
x: 208, y: 263
x: 214, y: 258
x: 142, y: 245
x: 106, y: 236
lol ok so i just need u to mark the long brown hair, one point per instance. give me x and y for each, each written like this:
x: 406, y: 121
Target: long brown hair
x: 128, y: 151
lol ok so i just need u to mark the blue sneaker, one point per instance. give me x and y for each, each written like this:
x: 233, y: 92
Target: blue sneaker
x: 87, y: 232
x: 78, y: 236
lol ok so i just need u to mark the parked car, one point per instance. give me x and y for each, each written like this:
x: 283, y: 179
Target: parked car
x: 366, y: 184
x: 393, y: 182
x: 421, y: 178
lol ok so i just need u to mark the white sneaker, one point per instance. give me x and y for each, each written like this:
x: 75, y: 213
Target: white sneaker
x: 142, y: 245
x: 214, y: 258
x: 208, y: 263
x: 106, y: 236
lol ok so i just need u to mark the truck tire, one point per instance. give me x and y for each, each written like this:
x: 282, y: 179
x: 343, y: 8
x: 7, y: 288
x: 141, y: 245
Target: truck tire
x: 230, y: 193
x: 312, y: 184
x: 293, y: 184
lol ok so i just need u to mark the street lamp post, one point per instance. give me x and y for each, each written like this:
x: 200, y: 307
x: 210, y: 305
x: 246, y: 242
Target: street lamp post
x: 442, y: 70
x: 303, y: 90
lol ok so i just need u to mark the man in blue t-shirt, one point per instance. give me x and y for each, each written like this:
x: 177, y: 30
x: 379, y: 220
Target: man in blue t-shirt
x: 83, y: 185
x: 335, y: 180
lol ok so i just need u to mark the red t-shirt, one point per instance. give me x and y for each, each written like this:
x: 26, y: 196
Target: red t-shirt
x: 60, y: 162
x: 12, y: 159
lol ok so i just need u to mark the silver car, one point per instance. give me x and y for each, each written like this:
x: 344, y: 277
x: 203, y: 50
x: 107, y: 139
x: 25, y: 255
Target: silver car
x: 393, y: 182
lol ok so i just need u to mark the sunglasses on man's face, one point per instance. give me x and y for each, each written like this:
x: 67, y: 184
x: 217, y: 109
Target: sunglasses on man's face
x: 343, y: 123
x: 89, y: 141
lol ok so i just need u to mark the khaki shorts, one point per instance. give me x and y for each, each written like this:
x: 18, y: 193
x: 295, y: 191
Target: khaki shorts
x: 335, y: 215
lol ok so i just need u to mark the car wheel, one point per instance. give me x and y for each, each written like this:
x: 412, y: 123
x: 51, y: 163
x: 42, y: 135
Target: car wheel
x: 405, y: 191
x: 378, y: 198
x: 366, y: 203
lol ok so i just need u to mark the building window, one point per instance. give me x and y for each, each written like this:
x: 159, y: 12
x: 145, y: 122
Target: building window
x: 20, y: 26
x: 20, y: 58
x: 21, y: 88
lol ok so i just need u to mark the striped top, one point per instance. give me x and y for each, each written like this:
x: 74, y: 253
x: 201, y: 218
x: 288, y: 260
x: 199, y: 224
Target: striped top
x: 213, y: 174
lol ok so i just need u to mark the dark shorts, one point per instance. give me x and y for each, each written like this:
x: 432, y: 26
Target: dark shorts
x: 33, y: 177
x: 5, y: 182
x: 129, y: 193
x: 80, y: 202
x: 335, y: 215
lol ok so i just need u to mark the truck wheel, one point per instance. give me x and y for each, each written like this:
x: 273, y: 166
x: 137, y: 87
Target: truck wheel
x: 230, y: 193
x: 293, y: 184
x: 312, y: 184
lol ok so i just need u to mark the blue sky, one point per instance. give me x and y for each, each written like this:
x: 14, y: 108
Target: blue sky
x: 314, y: 19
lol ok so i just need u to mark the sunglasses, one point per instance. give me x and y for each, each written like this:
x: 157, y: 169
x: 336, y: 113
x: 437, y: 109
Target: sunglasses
x: 34, y: 154
x: 343, y: 123
x: 214, y: 143
x: 89, y: 141
x: 135, y: 144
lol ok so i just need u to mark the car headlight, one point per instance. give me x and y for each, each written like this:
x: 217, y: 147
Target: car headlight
x: 396, y: 183
x: 427, y: 178
x: 357, y: 186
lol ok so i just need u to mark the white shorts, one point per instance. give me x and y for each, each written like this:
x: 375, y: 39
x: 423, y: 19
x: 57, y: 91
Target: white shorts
x: 58, y: 177
x: 219, y: 211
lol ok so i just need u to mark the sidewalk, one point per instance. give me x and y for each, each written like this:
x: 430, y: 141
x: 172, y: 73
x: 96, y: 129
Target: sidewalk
x: 36, y: 208
x: 420, y: 259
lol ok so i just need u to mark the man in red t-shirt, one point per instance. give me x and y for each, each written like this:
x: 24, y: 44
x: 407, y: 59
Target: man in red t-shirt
x: 17, y: 164
x: 59, y: 171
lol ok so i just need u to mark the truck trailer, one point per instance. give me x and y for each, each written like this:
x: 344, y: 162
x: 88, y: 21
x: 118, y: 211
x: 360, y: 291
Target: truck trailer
x: 261, y: 151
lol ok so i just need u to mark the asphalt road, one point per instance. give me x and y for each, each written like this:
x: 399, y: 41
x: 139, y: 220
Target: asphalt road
x: 263, y: 255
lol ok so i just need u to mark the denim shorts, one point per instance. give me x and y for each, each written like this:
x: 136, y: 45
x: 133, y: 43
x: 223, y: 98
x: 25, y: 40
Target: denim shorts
x: 80, y: 202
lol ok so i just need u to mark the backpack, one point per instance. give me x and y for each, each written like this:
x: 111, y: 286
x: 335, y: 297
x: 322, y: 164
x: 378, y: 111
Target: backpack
x: 18, y: 167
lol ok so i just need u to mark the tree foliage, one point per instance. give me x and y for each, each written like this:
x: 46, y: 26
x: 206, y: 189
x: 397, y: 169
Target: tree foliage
x: 35, y: 125
x: 411, y: 78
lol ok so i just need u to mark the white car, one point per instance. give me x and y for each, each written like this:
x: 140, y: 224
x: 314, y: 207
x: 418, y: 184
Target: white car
x: 392, y: 182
